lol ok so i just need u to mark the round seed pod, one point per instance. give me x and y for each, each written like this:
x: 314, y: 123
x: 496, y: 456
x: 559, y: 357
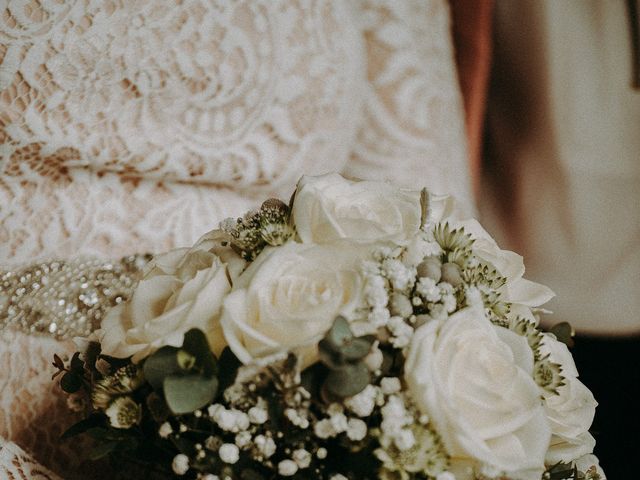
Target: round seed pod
x: 430, y: 267
x: 451, y: 274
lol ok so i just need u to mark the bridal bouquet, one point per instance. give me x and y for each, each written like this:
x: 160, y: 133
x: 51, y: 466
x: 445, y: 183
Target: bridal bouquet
x: 359, y: 332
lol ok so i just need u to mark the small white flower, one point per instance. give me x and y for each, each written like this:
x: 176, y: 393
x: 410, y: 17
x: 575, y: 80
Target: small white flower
x: 165, y: 430
x: 225, y: 419
x: 180, y: 464
x: 258, y: 415
x: 446, y: 476
x: 229, y: 453
x: 243, y: 439
x: 338, y: 477
x: 321, y: 453
x: 404, y: 440
x: 242, y: 420
x: 302, y: 457
x: 208, y: 476
x: 287, y: 468
x: 379, y: 317
x: 364, y: 402
x: 400, y: 276
x: 375, y: 291
x: 401, y: 331
x: 374, y: 359
x: 266, y: 446
x: 356, y: 429
x: 213, y: 409
x: 324, y: 429
x: 390, y: 385
x: 428, y: 289
x: 339, y: 422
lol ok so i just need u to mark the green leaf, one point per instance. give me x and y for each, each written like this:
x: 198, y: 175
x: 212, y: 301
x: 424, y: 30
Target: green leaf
x: 195, y: 342
x: 564, y: 333
x: 77, y: 365
x: 71, y: 382
x: 340, y: 332
x: 57, y: 362
x: 330, y: 356
x: 228, y: 366
x: 157, y: 407
x: 102, y: 450
x: 83, y: 425
x: 349, y: 380
x: 162, y: 363
x: 357, y: 349
x: 187, y: 393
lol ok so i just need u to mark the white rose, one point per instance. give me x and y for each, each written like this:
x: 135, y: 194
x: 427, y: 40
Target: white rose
x: 290, y: 296
x: 329, y: 207
x: 474, y: 381
x: 570, y: 412
x: 180, y: 290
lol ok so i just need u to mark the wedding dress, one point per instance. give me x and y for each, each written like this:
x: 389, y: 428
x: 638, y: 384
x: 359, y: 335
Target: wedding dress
x: 135, y: 126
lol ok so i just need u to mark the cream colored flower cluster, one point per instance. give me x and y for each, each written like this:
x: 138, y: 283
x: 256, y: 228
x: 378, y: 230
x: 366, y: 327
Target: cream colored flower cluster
x: 462, y: 383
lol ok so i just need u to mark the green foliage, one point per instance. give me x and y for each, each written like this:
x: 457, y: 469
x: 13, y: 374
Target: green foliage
x: 348, y: 380
x: 73, y: 377
x: 186, y: 376
x: 564, y: 332
x: 343, y: 354
x: 162, y: 363
x: 185, y: 394
x: 93, y: 421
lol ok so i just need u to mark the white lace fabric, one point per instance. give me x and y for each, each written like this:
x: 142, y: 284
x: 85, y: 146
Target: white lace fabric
x: 138, y: 125
x: 135, y: 126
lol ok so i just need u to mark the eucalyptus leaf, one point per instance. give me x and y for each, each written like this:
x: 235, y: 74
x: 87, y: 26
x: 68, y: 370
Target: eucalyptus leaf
x: 349, y: 380
x: 83, y: 425
x: 195, y: 342
x: 77, y: 365
x: 330, y: 356
x: 564, y: 333
x: 160, y: 364
x: 357, y: 349
x: 71, y: 382
x: 228, y: 366
x: 340, y: 332
x: 101, y: 450
x: 187, y: 393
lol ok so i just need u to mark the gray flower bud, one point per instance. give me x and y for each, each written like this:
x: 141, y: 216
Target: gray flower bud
x: 430, y: 267
x: 400, y: 305
x: 451, y: 274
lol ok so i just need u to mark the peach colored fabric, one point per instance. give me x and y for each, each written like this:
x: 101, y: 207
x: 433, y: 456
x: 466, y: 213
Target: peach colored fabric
x: 472, y: 27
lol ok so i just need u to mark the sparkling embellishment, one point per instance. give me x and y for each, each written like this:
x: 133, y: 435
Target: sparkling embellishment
x: 65, y: 299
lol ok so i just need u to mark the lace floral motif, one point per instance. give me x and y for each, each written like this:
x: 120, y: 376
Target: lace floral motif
x: 138, y: 125
x: 412, y: 134
x: 18, y: 465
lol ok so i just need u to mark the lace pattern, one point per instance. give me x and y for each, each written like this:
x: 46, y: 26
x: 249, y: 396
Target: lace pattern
x: 15, y: 464
x: 137, y: 126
